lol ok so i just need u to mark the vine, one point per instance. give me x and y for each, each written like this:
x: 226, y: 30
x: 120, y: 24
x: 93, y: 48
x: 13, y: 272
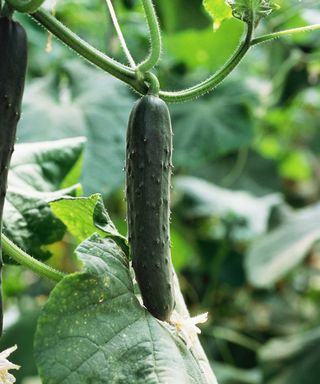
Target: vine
x: 119, y: 33
x: 21, y: 257
x: 135, y: 76
x: 155, y: 38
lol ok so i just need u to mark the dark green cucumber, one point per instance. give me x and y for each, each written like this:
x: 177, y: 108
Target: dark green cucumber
x: 13, y: 65
x: 148, y: 171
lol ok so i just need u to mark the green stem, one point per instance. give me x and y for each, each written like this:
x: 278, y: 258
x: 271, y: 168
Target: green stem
x: 214, y: 80
x: 85, y: 50
x: 25, y: 6
x: 120, y: 34
x: 270, y: 36
x: 155, y: 36
x: 28, y: 261
x: 153, y: 83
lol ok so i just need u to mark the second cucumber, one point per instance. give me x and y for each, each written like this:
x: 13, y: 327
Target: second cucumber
x: 13, y: 66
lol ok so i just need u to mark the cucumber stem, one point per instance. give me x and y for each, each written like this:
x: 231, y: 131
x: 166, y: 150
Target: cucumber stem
x: 135, y: 78
x: 153, y: 83
x: 214, y: 80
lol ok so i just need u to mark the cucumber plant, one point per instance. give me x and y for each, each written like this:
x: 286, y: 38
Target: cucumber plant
x: 148, y: 175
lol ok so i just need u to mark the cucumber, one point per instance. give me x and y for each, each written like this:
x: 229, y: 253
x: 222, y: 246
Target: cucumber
x: 148, y: 175
x: 13, y: 66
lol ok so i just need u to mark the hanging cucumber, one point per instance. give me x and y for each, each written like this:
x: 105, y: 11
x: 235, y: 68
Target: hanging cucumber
x: 13, y: 65
x: 148, y: 172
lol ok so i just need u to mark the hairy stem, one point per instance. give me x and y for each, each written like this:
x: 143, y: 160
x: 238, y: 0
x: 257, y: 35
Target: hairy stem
x: 28, y: 261
x: 153, y: 83
x: 120, y: 34
x: 155, y: 37
x: 214, y: 80
x: 271, y: 36
x: 84, y: 49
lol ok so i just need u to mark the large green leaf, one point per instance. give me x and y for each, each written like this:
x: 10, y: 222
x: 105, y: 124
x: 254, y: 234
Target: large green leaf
x: 37, y: 171
x: 82, y: 101
x: 292, y: 360
x: 273, y: 255
x: 211, y: 127
x: 94, y: 330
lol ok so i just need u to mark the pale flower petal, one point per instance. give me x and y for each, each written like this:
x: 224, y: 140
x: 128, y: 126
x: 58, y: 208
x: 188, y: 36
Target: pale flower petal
x: 5, y: 365
x: 186, y: 326
x: 7, y: 352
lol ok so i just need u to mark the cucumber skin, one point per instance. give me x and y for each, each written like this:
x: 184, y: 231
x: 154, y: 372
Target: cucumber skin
x: 13, y: 66
x: 148, y: 175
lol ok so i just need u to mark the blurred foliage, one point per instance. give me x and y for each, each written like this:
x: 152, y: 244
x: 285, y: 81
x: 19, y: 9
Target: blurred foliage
x: 246, y: 185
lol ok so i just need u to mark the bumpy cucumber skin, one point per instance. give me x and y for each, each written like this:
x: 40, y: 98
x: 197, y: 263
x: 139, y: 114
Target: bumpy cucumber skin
x: 13, y: 66
x: 148, y: 173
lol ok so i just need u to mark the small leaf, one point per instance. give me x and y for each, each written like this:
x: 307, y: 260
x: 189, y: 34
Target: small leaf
x: 218, y: 10
x: 251, y: 11
x: 83, y: 216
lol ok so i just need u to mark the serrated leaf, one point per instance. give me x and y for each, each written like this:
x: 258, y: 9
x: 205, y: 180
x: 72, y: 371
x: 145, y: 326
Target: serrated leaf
x: 36, y: 173
x: 94, y: 330
x: 83, y: 216
x: 251, y: 11
x: 218, y: 10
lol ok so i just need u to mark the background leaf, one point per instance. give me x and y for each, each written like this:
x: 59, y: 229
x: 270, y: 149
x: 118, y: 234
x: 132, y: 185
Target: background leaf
x: 275, y: 254
x: 82, y: 101
x: 198, y: 198
x: 204, y: 45
x: 36, y: 172
x: 297, y: 355
x: 219, y: 125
